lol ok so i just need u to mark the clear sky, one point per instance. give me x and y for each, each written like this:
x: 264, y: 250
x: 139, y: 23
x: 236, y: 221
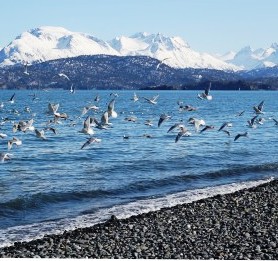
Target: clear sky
x: 213, y: 26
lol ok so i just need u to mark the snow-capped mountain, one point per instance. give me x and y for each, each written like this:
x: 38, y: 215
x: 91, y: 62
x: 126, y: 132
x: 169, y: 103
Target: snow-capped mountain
x: 48, y: 43
x: 248, y: 58
x: 176, y: 52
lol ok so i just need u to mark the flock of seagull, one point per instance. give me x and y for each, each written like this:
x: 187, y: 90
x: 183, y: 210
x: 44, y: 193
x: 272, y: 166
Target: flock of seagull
x: 90, y: 122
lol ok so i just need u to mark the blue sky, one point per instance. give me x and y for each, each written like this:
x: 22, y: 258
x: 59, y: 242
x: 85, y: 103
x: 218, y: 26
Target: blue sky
x: 213, y: 26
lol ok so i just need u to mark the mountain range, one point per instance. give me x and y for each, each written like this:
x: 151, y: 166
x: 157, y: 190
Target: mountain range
x: 49, y: 43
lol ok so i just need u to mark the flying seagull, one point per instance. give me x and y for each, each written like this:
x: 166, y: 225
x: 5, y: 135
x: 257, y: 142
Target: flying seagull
x: 161, y: 62
x: 64, y: 76
x: 241, y: 135
x: 90, y: 141
x: 259, y: 109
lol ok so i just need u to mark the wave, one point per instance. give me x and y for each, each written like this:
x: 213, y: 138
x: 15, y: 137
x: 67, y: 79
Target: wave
x: 38, y: 230
x: 133, y: 189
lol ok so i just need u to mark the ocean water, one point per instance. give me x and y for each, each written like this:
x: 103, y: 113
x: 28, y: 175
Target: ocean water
x: 52, y: 185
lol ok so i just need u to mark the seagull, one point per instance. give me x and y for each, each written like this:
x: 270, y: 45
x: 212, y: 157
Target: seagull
x: 276, y: 122
x: 252, y: 122
x: 148, y: 123
x: 105, y: 119
x: 87, y: 108
x: 3, y: 135
x: 161, y: 62
x: 25, y: 69
x: 87, y: 129
x: 15, y: 141
x: 111, y: 111
x: 24, y: 126
x: 40, y: 134
x: 64, y: 76
x: 101, y: 125
x: 97, y: 98
x: 135, y: 98
x: 72, y: 89
x: 187, y: 108
x: 90, y: 141
x: 131, y: 118
x: 240, y: 113
x: 259, y: 109
x: 197, y: 123
x: 163, y: 117
x: 225, y: 124
x: 5, y: 156
x: 205, y: 95
x: 177, y: 125
x: 183, y: 132
x: 207, y: 127
x: 53, y: 108
x: 12, y: 99
x: 227, y: 132
x: 241, y: 135
x: 153, y: 100
x: 51, y: 129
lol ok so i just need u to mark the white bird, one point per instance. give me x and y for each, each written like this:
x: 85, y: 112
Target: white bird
x: 197, y: 123
x: 72, y: 89
x: 205, y: 95
x: 161, y: 62
x: 135, y: 98
x: 87, y: 108
x: 25, y: 69
x: 15, y: 141
x: 90, y: 141
x: 183, y: 132
x: 259, y: 109
x: 177, y: 125
x: 40, y: 134
x: 64, y: 76
x: 87, y: 129
x: 152, y: 100
x: 105, y: 119
x: 3, y: 135
x: 5, y: 156
x: 163, y: 117
x: 110, y: 110
x: 252, y: 122
x: 224, y: 125
x: 52, y: 108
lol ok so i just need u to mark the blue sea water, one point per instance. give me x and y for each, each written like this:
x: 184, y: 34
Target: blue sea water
x: 52, y: 185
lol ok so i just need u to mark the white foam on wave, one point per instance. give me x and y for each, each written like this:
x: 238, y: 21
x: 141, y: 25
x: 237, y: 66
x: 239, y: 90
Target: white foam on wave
x: 38, y: 230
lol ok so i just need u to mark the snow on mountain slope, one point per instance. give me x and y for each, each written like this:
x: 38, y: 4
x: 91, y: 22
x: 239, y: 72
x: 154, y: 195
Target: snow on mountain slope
x: 48, y: 43
x: 248, y: 58
x: 175, y: 49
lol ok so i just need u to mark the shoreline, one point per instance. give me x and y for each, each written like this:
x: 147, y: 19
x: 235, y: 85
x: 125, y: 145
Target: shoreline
x: 240, y: 225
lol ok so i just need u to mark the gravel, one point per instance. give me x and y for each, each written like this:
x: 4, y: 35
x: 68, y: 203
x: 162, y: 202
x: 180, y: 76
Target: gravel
x: 241, y: 225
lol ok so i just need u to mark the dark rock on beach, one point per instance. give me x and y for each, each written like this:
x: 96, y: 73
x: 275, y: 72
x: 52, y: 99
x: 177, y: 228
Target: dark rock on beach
x: 241, y: 225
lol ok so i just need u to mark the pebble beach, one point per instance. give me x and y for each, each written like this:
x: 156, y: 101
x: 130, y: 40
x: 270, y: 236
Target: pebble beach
x: 241, y: 225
